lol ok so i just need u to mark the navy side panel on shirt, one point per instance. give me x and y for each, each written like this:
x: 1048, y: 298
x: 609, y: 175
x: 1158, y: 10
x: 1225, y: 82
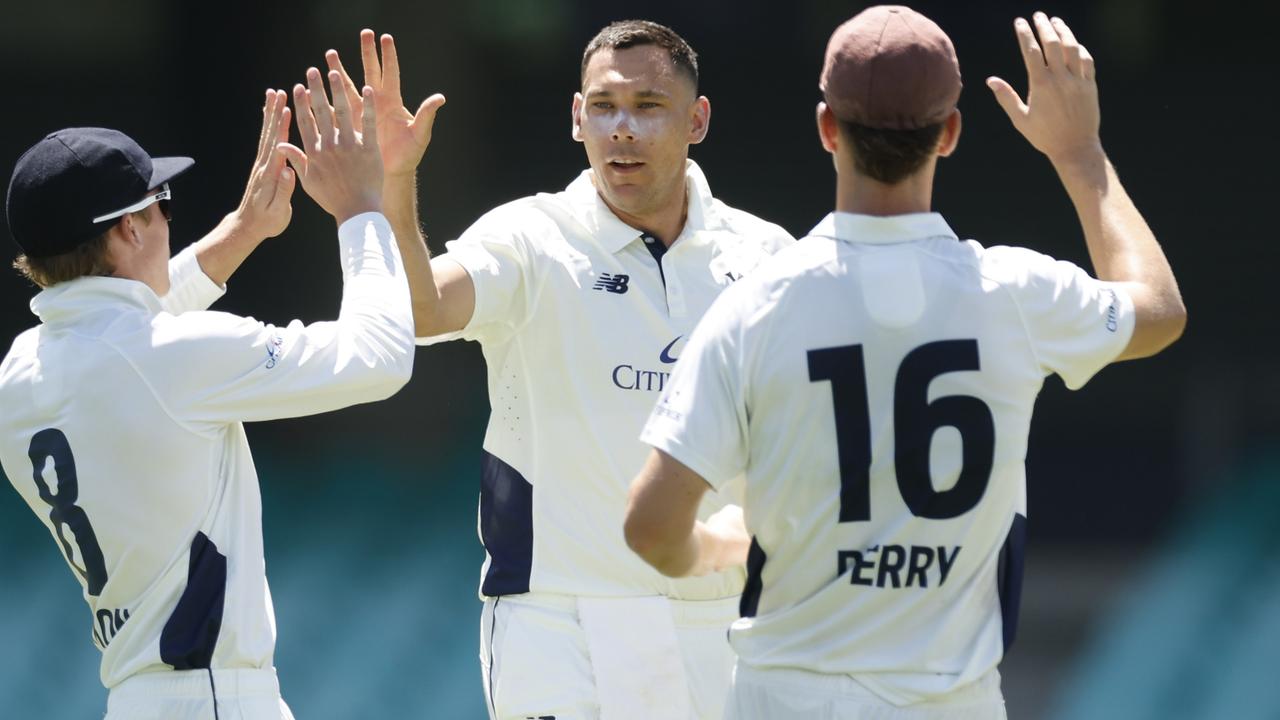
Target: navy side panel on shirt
x: 191, y: 632
x: 1009, y: 577
x: 506, y: 527
x: 751, y: 591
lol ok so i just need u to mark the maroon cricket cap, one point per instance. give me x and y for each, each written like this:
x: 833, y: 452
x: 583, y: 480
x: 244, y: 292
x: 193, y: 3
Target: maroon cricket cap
x: 889, y: 67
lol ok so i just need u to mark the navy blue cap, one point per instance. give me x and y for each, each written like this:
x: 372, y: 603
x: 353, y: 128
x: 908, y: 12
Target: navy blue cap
x: 72, y: 176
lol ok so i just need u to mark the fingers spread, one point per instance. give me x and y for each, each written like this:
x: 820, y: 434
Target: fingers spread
x: 348, y: 87
x: 320, y: 108
x: 275, y: 160
x: 1049, y: 42
x: 266, y: 135
x: 390, y: 67
x: 1032, y: 56
x: 342, y: 109
x: 307, y: 128
x: 369, y: 55
x: 1071, y: 48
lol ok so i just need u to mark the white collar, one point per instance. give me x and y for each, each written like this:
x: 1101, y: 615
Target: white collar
x: 613, y: 234
x: 883, y: 230
x: 68, y: 301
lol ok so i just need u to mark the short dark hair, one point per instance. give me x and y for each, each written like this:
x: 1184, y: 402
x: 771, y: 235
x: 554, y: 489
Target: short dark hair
x: 625, y: 34
x: 890, y: 156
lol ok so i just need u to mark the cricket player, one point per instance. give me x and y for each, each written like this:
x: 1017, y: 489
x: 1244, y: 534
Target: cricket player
x: 123, y: 409
x: 875, y: 385
x: 581, y: 301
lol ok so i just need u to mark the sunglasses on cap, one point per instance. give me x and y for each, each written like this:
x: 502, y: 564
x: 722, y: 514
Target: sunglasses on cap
x: 161, y: 197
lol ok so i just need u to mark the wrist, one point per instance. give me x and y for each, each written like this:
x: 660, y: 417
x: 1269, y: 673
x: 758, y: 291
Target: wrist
x: 341, y: 215
x: 238, y: 226
x: 402, y: 178
x: 1085, y: 156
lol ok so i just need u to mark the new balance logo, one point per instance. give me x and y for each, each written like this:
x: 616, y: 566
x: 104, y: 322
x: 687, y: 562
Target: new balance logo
x: 613, y: 283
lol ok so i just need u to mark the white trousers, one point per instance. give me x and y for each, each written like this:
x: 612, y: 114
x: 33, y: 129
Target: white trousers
x: 189, y: 695
x: 536, y: 662
x: 782, y: 694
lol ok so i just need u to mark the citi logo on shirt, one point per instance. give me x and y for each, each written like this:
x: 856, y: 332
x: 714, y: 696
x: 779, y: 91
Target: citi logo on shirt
x: 616, y: 284
x: 629, y: 377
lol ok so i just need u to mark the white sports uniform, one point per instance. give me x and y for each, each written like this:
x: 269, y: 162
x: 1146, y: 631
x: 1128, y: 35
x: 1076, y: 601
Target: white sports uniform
x: 580, y: 326
x: 122, y: 430
x: 875, y: 383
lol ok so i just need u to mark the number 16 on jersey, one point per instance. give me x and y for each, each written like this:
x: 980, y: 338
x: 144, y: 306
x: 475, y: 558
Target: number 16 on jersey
x: 915, y: 420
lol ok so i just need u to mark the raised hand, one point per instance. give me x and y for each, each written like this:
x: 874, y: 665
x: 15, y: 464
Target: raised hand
x: 341, y: 168
x: 402, y: 135
x: 265, y: 209
x: 1060, y: 117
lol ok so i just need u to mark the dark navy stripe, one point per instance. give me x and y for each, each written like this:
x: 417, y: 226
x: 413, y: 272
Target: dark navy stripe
x: 657, y: 249
x: 506, y: 527
x: 751, y: 591
x: 1009, y: 577
x: 191, y: 632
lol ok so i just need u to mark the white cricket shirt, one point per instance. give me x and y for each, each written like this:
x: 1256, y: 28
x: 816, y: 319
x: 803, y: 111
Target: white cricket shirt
x: 121, y: 428
x: 875, y: 383
x: 580, y: 326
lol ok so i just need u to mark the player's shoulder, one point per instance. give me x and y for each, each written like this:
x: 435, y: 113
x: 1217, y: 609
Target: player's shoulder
x: 520, y: 218
x: 811, y: 255
x: 1019, y: 267
x: 787, y: 272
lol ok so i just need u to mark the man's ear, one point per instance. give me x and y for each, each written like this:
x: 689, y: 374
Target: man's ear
x: 950, y: 134
x: 576, y: 132
x: 126, y: 231
x: 701, y: 120
x: 828, y: 128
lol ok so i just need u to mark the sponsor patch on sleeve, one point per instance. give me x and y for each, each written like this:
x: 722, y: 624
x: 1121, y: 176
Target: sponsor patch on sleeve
x: 275, y: 348
x: 1113, y: 312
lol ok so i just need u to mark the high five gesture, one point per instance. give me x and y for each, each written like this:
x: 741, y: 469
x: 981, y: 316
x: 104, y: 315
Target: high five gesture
x: 1060, y: 118
x: 341, y: 168
x: 403, y: 136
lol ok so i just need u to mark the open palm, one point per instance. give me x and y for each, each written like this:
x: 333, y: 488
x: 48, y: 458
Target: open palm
x: 402, y: 136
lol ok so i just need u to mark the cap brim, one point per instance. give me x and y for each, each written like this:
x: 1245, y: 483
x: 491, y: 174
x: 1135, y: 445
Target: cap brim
x: 164, y: 169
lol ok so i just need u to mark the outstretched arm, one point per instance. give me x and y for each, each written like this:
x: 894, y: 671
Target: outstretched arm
x: 443, y: 293
x: 198, y: 274
x: 264, y: 210
x: 1061, y: 118
x: 662, y: 526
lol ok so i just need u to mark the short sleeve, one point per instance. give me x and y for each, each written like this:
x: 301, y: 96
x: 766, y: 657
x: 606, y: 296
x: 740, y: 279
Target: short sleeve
x: 496, y: 258
x: 1076, y: 323
x: 700, y: 419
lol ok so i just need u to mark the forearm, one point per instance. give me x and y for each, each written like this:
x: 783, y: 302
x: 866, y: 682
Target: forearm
x: 401, y: 207
x: 224, y: 248
x: 691, y: 555
x: 1122, y: 246
x: 703, y: 550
